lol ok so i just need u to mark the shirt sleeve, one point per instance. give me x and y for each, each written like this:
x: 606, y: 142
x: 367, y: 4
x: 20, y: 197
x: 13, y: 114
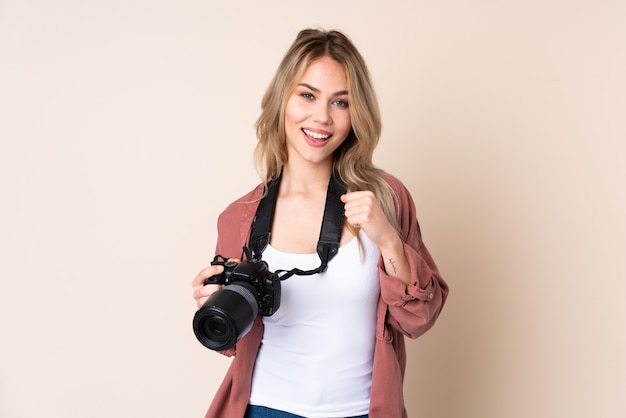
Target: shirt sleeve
x: 233, y: 231
x: 413, y: 308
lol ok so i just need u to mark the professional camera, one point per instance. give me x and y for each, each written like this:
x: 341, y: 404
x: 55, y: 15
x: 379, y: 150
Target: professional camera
x: 250, y: 289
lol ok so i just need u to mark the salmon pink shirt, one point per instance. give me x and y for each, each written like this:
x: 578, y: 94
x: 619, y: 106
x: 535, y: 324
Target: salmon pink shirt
x: 402, y: 311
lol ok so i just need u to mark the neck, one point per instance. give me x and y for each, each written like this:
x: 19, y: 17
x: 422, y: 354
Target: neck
x: 306, y: 178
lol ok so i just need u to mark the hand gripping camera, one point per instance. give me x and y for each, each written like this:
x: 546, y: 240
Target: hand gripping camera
x: 250, y: 289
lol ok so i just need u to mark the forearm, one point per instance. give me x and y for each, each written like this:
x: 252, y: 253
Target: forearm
x: 395, y: 262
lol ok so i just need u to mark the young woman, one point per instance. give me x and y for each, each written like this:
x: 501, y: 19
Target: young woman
x: 335, y: 348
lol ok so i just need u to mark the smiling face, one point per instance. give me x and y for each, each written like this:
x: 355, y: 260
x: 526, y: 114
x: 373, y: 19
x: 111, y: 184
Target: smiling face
x: 317, y: 117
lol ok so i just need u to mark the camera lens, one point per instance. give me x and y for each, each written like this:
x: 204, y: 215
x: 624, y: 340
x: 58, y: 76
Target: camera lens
x: 226, y: 316
x: 216, y: 326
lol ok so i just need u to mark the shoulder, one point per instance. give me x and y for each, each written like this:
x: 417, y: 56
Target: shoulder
x: 234, y: 223
x: 396, y: 185
x: 243, y: 204
x: 391, y: 180
x: 252, y: 196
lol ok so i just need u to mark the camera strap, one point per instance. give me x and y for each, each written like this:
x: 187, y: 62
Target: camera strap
x: 330, y: 234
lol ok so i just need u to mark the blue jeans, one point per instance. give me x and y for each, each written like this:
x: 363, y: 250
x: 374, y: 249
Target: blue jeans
x: 254, y: 411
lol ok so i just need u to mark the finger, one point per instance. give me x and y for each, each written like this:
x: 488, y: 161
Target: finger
x: 350, y: 196
x: 202, y: 294
x: 206, y: 291
x: 212, y: 270
x: 363, y: 212
x: 204, y: 274
x: 353, y: 207
x: 355, y: 219
x: 353, y: 222
x: 363, y: 200
x: 201, y: 301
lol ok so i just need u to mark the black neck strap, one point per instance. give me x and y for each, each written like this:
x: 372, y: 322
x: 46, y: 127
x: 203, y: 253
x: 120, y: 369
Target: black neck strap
x: 330, y: 234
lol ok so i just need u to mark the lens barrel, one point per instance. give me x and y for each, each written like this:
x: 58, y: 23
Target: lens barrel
x: 226, y: 316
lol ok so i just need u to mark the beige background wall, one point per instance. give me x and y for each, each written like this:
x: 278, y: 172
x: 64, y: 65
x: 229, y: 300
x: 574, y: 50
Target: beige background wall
x: 127, y: 126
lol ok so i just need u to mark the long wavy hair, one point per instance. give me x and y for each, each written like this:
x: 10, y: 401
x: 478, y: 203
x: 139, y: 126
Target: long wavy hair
x: 353, y: 158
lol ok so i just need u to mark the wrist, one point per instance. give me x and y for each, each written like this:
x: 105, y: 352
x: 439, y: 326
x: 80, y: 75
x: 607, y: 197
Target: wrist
x: 393, y: 245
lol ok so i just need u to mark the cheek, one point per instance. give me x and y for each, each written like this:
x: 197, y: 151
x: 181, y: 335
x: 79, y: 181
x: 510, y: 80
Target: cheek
x: 344, y: 122
x: 293, y: 113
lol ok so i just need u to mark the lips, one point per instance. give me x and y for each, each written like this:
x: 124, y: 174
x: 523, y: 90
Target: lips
x: 315, y: 135
x: 315, y: 139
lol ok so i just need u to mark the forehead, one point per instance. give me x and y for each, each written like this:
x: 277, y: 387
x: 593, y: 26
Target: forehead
x: 325, y: 73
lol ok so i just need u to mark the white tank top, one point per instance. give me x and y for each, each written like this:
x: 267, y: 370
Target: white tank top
x: 317, y: 351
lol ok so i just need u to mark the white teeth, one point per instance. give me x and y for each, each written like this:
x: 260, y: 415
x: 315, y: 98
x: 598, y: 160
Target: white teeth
x: 315, y: 135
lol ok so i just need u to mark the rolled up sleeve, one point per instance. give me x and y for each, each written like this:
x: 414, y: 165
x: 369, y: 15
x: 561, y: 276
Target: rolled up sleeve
x: 413, y: 308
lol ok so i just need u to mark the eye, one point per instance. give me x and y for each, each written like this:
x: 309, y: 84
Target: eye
x: 307, y: 96
x: 341, y: 103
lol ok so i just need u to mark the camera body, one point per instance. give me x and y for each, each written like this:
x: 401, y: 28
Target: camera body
x: 250, y: 289
x: 255, y: 273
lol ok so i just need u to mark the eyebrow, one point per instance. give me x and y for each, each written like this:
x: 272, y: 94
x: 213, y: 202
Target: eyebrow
x: 316, y: 90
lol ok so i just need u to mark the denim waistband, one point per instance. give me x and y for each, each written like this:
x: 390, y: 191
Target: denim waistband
x: 255, y: 411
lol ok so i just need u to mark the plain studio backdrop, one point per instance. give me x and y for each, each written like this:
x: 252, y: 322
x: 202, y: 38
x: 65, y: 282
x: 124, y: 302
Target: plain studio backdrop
x: 127, y: 126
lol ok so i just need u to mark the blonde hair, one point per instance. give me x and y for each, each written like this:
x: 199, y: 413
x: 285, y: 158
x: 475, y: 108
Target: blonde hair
x: 353, y: 159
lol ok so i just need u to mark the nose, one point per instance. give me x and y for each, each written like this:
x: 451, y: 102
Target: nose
x: 322, y: 114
